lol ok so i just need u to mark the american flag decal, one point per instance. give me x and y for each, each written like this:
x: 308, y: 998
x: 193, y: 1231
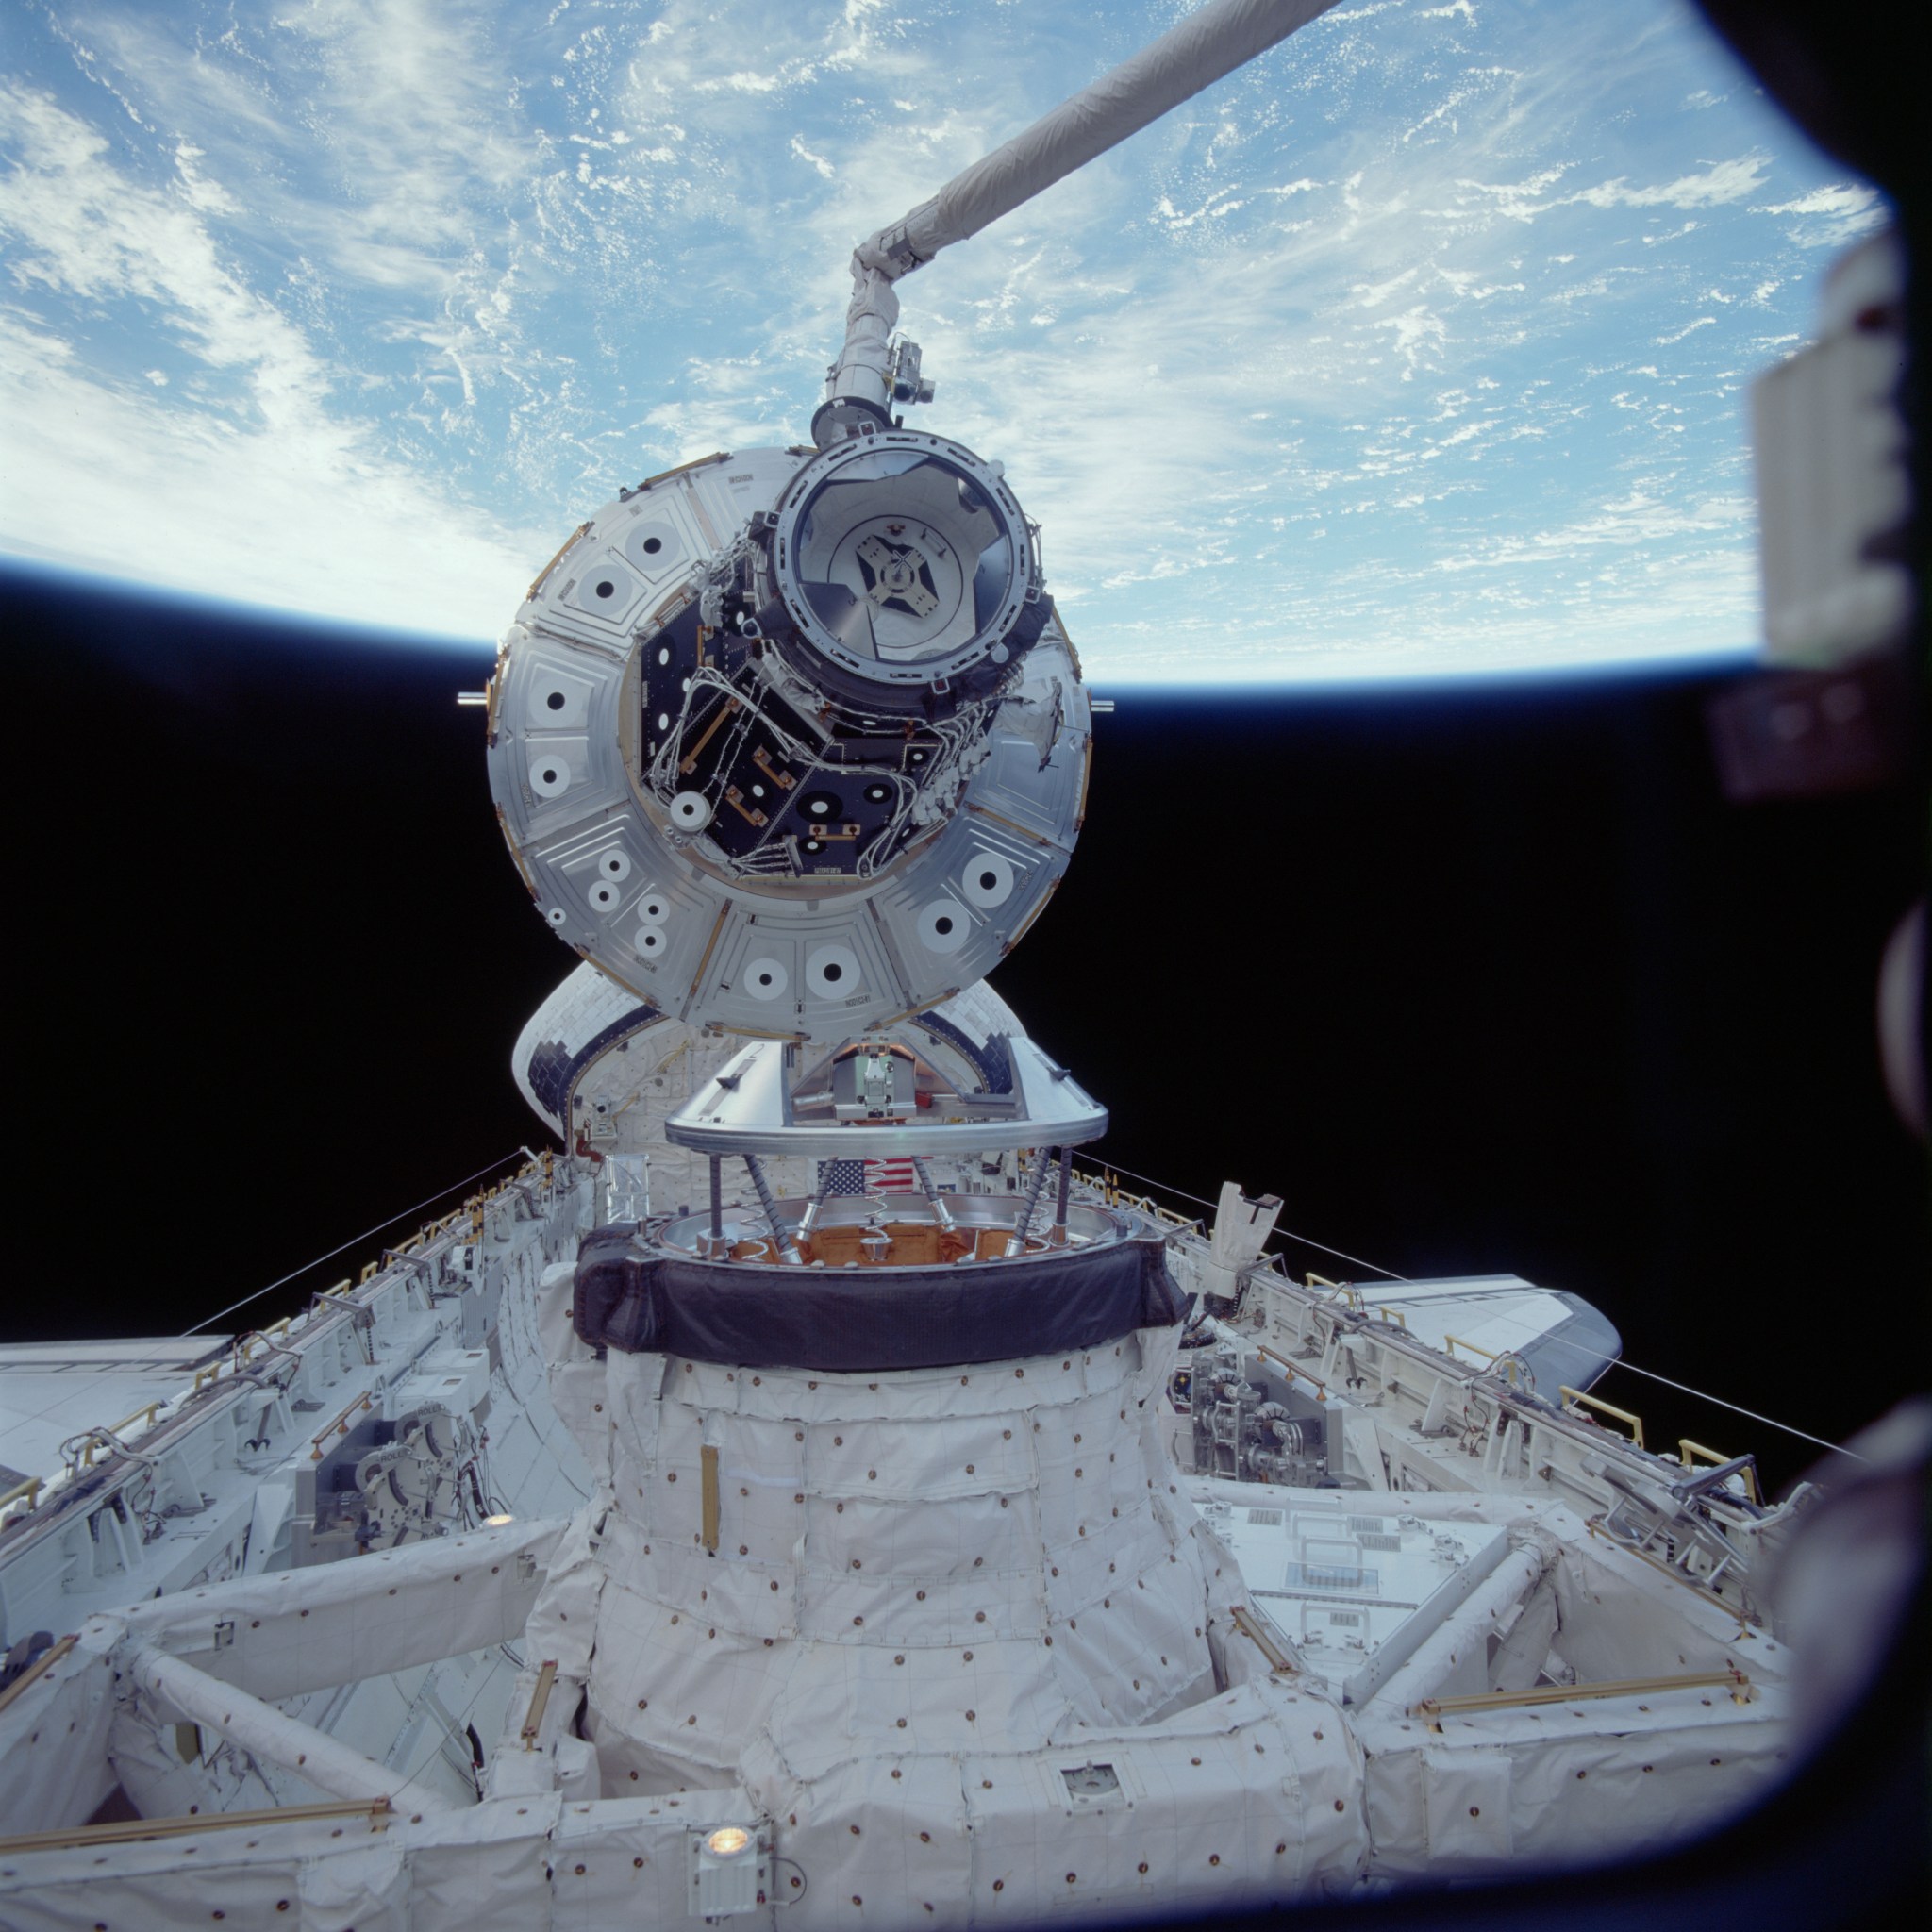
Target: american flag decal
x: 893, y: 1176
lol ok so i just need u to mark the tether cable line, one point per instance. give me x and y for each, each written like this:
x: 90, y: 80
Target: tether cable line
x: 1547, y: 1341
x: 295, y: 1274
x: 1355, y: 1260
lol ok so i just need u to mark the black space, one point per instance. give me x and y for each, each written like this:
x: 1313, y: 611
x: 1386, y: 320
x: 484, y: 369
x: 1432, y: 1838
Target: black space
x: 1480, y: 977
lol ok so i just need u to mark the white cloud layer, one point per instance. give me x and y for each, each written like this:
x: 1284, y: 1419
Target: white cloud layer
x: 1418, y: 344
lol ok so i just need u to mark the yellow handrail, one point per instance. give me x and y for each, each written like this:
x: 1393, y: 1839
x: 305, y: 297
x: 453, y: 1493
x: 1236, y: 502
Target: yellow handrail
x: 1280, y: 1662
x: 1736, y: 1682
x: 1293, y: 1369
x: 36, y: 1671
x: 31, y: 1489
x: 1573, y: 1396
x: 341, y: 1422
x: 540, y: 1699
x: 1686, y: 1450
x: 135, y: 1830
x: 1510, y: 1362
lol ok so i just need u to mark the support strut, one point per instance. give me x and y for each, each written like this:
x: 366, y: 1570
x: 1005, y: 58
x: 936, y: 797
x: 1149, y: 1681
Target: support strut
x: 942, y: 1213
x: 714, y: 1242
x: 783, y: 1240
x: 1058, y: 1237
x: 1036, y: 1186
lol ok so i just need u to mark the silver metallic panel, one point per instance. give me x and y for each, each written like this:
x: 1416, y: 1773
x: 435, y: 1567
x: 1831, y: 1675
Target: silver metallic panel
x: 745, y: 1110
x: 655, y: 904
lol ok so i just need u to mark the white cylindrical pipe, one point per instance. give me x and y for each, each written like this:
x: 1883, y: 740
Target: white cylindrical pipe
x: 1201, y: 50
x: 271, y: 1734
x: 858, y: 387
x: 1440, y: 1653
x: 1193, y: 55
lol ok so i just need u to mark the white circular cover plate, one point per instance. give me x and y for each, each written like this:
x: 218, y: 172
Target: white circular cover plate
x: 766, y: 979
x: 987, y: 879
x: 944, y: 926
x: 832, y: 972
x: 549, y: 775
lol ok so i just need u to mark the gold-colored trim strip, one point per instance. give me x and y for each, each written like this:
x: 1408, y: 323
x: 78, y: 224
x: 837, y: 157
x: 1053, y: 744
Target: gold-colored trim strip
x: 41, y: 1665
x: 539, y: 1702
x: 710, y: 948
x: 1293, y: 1369
x: 707, y: 1465
x: 1742, y: 1691
x: 1278, y: 1659
x: 133, y: 1830
x: 1024, y: 831
x: 543, y: 577
x: 720, y: 456
x: 1026, y: 924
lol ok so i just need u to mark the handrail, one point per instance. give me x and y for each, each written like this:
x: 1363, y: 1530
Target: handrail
x: 1508, y: 1357
x: 1686, y: 1450
x: 1293, y: 1369
x: 1573, y: 1396
x: 136, y: 1830
x: 106, y: 1438
x: 540, y: 1699
x: 38, y: 1669
x: 31, y: 1489
x: 341, y: 1422
x: 1278, y: 1659
x: 1742, y: 1691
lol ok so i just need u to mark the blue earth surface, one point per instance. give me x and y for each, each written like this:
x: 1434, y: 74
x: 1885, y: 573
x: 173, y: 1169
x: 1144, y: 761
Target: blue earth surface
x: 1420, y: 344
